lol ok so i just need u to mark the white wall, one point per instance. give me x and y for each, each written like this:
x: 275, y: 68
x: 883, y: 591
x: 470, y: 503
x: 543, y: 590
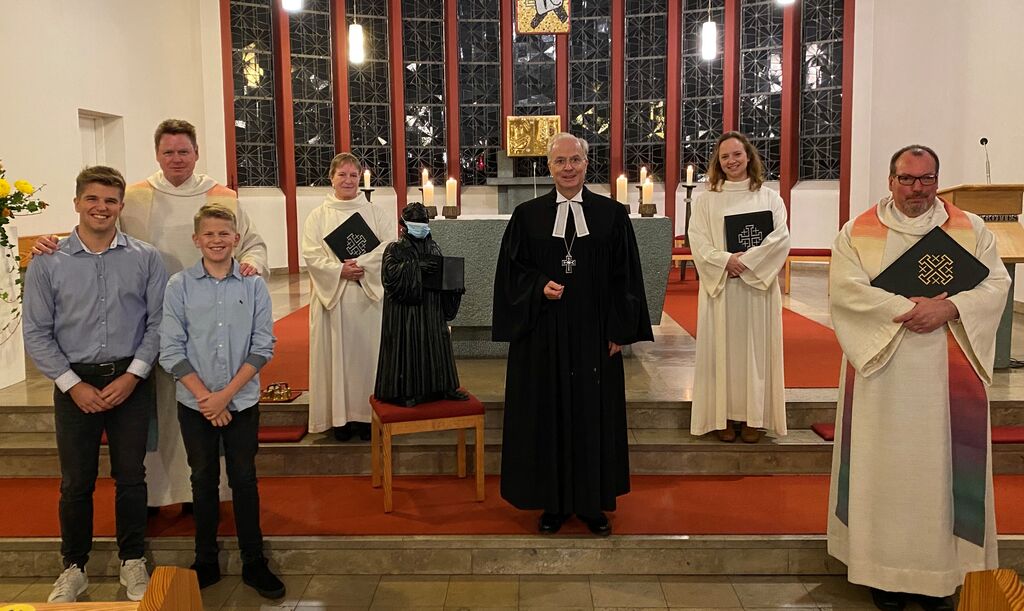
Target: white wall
x: 137, y: 60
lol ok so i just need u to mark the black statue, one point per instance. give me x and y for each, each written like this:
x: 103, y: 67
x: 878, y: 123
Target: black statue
x: 416, y: 362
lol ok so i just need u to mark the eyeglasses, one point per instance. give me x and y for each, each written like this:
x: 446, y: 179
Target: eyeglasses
x: 908, y: 181
x: 561, y: 162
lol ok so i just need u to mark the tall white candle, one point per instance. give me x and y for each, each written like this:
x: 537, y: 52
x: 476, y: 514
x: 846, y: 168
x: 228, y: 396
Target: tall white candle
x: 689, y: 174
x: 426, y: 178
x: 366, y: 179
x: 622, y: 189
x: 648, y: 191
x: 428, y: 193
x: 451, y: 190
x: 643, y: 174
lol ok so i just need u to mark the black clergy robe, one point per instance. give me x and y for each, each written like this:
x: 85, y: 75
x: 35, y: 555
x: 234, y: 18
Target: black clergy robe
x: 416, y: 360
x: 565, y: 446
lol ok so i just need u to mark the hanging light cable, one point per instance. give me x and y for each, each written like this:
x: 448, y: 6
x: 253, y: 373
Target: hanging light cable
x: 356, y: 41
x: 709, y: 38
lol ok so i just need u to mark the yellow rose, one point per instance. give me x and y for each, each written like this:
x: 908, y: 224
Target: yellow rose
x: 5, y: 188
x: 24, y: 186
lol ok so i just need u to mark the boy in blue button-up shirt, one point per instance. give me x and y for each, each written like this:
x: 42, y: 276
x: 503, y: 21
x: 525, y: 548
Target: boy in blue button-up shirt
x: 217, y: 333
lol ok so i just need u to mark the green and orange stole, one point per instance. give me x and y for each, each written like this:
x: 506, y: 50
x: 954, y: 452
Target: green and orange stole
x: 968, y: 403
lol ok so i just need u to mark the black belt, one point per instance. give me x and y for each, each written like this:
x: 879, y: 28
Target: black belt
x: 102, y: 370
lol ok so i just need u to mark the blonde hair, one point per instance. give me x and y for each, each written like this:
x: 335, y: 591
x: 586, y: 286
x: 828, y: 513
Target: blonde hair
x: 342, y: 158
x: 755, y: 169
x: 214, y: 211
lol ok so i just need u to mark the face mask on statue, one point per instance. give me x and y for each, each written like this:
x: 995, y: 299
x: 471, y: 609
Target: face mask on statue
x: 417, y: 230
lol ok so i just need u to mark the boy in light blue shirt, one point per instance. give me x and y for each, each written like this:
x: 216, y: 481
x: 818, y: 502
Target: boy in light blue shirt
x: 216, y: 334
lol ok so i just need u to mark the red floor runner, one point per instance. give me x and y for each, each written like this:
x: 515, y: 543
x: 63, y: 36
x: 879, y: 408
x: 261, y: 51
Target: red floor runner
x: 291, y: 352
x: 436, y: 505
x: 811, y: 353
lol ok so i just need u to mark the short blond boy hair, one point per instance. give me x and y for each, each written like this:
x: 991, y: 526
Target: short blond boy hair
x: 214, y: 211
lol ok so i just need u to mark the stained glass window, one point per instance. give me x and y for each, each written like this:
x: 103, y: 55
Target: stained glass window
x: 312, y: 92
x: 369, y: 99
x: 252, y: 67
x: 761, y: 79
x: 702, y: 81
x: 533, y: 87
x: 590, y: 82
x: 479, y: 73
x: 423, y: 62
x: 821, y: 95
x: 646, y: 45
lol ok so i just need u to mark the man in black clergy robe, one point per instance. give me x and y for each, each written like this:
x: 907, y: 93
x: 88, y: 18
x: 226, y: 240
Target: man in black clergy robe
x: 416, y: 363
x: 568, y: 293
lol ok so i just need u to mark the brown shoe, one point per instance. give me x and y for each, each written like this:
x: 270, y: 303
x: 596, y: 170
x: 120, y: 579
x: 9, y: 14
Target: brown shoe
x: 750, y: 435
x: 728, y: 434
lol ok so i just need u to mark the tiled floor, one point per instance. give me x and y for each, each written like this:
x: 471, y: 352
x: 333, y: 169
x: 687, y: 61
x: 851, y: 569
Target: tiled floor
x: 307, y: 592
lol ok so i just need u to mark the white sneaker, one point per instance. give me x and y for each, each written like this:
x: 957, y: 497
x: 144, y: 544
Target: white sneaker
x: 135, y: 578
x: 71, y: 583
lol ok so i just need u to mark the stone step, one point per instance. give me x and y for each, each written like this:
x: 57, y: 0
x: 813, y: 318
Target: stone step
x: 483, y: 555
x: 802, y: 410
x: 652, y: 451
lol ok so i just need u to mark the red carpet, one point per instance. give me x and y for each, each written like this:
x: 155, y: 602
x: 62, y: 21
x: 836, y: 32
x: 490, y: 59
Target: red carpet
x: 811, y: 353
x: 436, y: 505
x: 291, y: 352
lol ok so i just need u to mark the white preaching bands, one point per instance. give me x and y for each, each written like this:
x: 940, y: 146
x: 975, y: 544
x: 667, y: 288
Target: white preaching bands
x: 562, y: 215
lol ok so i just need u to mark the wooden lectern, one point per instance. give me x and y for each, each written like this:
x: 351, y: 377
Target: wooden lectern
x: 999, y: 206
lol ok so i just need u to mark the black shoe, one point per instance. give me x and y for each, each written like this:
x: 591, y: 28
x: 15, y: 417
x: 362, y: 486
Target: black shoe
x: 363, y: 430
x: 257, y: 576
x: 936, y: 603
x: 598, y: 524
x: 887, y: 601
x: 550, y: 523
x: 152, y: 511
x: 537, y: 19
x: 187, y: 509
x: 343, y: 433
x: 456, y: 395
x: 208, y: 573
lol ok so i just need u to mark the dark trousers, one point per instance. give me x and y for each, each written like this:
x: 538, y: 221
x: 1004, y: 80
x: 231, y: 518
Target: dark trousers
x: 78, y: 447
x: 202, y: 444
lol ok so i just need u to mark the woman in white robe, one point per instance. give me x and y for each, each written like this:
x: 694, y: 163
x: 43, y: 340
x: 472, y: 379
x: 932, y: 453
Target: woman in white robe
x: 739, y: 373
x: 345, y: 307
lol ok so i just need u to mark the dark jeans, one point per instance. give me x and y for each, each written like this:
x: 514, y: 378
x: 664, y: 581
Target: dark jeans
x: 202, y: 444
x: 78, y: 446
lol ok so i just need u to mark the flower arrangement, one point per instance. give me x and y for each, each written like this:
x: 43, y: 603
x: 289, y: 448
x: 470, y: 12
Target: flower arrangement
x: 16, y: 200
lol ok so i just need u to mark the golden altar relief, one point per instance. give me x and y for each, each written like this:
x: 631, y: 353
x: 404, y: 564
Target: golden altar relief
x: 528, y: 136
x: 542, y: 16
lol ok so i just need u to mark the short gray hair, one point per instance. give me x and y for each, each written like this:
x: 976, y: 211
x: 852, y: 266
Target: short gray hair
x: 566, y: 135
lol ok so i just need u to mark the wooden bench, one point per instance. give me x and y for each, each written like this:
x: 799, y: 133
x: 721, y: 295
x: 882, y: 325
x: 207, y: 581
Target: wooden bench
x: 812, y: 255
x: 390, y: 420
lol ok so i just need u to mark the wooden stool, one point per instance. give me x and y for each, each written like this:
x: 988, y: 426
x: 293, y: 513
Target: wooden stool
x: 390, y: 420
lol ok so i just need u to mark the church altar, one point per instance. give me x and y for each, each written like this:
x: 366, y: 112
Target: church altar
x: 477, y: 239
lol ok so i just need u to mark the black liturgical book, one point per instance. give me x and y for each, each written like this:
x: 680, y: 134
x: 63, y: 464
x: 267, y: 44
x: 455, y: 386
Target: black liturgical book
x: 352, y: 238
x: 747, y: 230
x: 935, y: 264
x: 450, y: 274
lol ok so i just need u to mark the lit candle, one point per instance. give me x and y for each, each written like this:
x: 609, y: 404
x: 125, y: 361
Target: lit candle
x: 451, y: 190
x: 622, y: 189
x: 648, y: 191
x: 428, y: 193
x: 643, y: 174
x: 689, y: 174
x: 426, y: 178
x: 366, y: 179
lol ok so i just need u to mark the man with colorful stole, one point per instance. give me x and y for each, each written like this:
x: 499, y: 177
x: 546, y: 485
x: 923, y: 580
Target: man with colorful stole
x: 911, y: 504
